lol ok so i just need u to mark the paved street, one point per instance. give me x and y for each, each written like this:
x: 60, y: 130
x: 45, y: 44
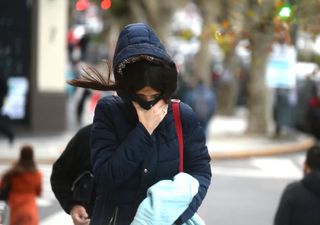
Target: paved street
x: 246, y: 192
x: 243, y: 192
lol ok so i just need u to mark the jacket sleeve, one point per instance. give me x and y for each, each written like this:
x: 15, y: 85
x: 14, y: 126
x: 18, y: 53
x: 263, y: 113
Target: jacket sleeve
x: 282, y: 216
x: 196, y: 159
x: 114, y: 160
x: 61, y: 180
x: 68, y: 166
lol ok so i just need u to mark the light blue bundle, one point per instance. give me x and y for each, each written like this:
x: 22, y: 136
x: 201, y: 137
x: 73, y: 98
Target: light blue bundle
x: 167, y: 200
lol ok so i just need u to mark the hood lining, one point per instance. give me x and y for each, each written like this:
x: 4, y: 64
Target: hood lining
x: 134, y: 59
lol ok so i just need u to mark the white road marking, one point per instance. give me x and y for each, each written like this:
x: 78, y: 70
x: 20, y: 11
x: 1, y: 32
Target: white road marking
x: 57, y: 218
x: 265, y: 168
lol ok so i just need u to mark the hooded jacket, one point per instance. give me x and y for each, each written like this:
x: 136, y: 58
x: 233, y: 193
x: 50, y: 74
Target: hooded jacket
x: 134, y: 41
x: 300, y: 202
x: 126, y: 159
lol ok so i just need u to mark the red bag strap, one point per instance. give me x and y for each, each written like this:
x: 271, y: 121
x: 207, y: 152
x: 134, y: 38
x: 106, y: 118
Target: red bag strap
x: 177, y: 121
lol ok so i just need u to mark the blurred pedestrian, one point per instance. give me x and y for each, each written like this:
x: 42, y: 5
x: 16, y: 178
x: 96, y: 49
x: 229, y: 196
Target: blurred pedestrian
x: 203, y: 101
x: 300, y: 201
x: 24, y: 181
x: 183, y: 89
x: 306, y: 90
x: 66, y: 169
x: 4, y: 119
x: 72, y: 43
x: 83, y: 45
x: 313, y: 112
x: 85, y: 94
x: 283, y: 111
x: 134, y: 142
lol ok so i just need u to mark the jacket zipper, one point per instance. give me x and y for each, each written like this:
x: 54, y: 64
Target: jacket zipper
x: 114, y: 218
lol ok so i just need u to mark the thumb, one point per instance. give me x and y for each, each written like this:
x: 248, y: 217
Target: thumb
x: 84, y: 214
x: 136, y: 106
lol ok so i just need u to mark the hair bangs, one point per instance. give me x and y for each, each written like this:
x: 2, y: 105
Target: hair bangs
x: 160, y: 77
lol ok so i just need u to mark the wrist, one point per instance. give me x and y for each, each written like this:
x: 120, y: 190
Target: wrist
x: 77, y: 205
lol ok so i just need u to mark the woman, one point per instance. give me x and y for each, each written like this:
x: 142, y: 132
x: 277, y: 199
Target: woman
x: 25, y: 184
x: 133, y: 139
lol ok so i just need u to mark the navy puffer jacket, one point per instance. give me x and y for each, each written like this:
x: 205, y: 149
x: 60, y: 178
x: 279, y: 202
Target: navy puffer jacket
x: 127, y: 160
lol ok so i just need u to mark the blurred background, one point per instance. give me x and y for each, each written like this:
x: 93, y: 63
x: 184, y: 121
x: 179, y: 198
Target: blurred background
x: 259, y: 59
x: 240, y: 49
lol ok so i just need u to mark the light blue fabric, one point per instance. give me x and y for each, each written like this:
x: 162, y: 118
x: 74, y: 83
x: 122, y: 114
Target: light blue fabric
x: 167, y: 200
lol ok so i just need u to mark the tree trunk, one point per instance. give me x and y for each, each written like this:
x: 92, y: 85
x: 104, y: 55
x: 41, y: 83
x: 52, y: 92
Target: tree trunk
x: 203, y: 57
x: 261, y: 41
x: 231, y: 12
x: 202, y: 62
x: 156, y: 13
x: 228, y: 90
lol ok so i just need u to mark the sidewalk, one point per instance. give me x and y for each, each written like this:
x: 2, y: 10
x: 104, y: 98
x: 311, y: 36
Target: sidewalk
x: 226, y: 139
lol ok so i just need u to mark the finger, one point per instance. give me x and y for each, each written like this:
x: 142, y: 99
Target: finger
x: 165, y: 109
x: 87, y: 222
x: 80, y: 217
x: 166, y: 106
x: 82, y: 220
x: 160, y: 104
x: 76, y: 216
x: 84, y: 215
x: 137, y: 106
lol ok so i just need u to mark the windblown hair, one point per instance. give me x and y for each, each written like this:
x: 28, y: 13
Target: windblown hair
x: 160, y: 75
x: 25, y: 163
x: 93, y: 79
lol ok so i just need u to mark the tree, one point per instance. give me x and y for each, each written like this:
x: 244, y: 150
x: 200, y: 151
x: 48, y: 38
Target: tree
x: 231, y: 25
x: 202, y: 62
x: 307, y: 15
x: 157, y: 14
x: 252, y: 20
x: 259, y: 21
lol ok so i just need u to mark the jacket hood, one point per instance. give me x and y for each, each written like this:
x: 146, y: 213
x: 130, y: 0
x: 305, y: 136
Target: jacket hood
x: 136, y: 42
x: 312, y: 182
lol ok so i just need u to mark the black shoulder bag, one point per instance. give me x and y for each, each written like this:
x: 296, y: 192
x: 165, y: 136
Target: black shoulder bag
x: 83, y: 190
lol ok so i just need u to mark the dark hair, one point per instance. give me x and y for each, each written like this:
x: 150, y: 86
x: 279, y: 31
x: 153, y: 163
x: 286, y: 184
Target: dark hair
x: 25, y: 163
x: 159, y: 75
x: 26, y: 157
x: 313, y: 157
